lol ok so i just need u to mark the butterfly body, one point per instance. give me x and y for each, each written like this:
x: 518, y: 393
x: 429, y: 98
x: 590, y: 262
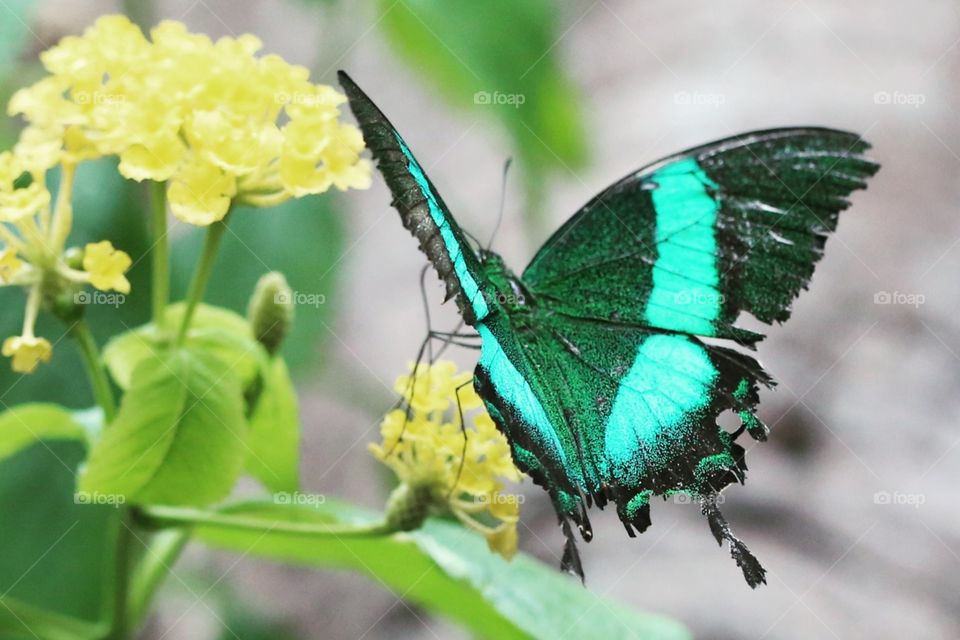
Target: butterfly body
x: 594, y: 361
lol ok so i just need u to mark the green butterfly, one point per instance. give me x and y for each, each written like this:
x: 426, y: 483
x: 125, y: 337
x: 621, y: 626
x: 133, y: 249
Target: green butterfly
x: 592, y: 361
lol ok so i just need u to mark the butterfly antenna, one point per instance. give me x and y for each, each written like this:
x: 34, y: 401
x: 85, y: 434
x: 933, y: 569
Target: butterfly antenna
x: 503, y: 201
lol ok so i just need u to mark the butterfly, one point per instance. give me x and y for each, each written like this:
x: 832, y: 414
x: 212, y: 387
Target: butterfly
x: 607, y: 362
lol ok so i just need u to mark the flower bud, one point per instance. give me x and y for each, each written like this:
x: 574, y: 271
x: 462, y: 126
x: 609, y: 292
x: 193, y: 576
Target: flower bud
x: 74, y: 258
x: 408, y: 506
x: 271, y: 311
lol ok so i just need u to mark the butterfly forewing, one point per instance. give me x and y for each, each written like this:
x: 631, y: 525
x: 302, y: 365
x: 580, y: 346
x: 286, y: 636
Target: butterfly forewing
x: 691, y: 242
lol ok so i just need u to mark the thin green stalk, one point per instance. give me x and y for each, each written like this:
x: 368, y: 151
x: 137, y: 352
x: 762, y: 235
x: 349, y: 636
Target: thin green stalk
x: 202, y: 274
x: 120, y: 624
x: 178, y: 517
x: 95, y: 371
x: 160, y: 556
x: 160, y: 252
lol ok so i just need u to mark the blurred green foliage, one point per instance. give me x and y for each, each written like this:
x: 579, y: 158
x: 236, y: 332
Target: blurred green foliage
x: 499, y: 59
x: 447, y: 570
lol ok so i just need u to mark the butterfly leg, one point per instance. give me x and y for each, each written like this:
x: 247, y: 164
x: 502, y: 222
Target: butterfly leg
x: 410, y: 391
x: 753, y: 572
x: 463, y: 430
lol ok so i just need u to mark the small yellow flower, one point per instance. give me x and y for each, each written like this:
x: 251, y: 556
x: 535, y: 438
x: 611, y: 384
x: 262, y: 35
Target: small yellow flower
x: 27, y: 352
x: 16, y: 203
x: 9, y: 265
x: 200, y: 194
x: 106, y: 266
x: 425, y: 447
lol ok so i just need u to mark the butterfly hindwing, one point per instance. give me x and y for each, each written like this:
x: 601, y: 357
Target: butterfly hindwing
x: 421, y: 207
x: 692, y: 241
x: 619, y: 413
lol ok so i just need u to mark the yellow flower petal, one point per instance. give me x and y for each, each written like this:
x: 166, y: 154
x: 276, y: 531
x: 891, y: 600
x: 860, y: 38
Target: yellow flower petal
x: 107, y: 266
x: 155, y: 159
x: 200, y: 193
x: 27, y: 352
x: 503, y: 540
x: 21, y: 203
x: 9, y: 265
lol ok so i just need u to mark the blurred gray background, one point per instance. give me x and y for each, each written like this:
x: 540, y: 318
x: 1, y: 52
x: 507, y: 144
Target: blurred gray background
x: 851, y: 505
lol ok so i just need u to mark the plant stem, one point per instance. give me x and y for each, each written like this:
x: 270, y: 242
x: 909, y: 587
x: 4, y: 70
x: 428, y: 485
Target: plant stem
x: 202, y: 274
x: 119, y: 629
x: 95, y: 371
x: 160, y: 252
x: 161, y: 554
x: 176, y: 516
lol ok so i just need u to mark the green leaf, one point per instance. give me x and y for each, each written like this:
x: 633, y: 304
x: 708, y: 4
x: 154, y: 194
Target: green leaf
x: 34, y: 622
x: 220, y: 333
x: 58, y: 553
x: 448, y: 571
x: 23, y: 425
x: 178, y: 437
x: 497, y: 57
x: 274, y: 440
x: 303, y: 238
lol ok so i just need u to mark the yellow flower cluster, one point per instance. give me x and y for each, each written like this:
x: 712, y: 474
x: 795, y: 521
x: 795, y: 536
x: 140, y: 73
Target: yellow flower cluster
x: 212, y: 119
x: 32, y: 250
x: 424, y: 445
